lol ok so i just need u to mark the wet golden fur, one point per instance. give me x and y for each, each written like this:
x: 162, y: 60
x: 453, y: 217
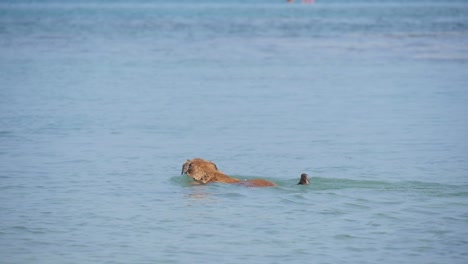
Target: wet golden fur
x: 204, y: 171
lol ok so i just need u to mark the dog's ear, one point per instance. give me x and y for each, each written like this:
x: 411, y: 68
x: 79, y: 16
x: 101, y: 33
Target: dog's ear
x: 186, y: 167
x: 214, y: 165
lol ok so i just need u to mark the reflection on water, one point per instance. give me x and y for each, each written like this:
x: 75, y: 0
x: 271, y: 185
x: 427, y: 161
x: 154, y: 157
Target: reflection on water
x: 198, y: 193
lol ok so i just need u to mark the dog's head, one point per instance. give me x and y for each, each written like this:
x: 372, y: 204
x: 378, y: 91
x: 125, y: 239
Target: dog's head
x: 304, y: 179
x: 199, y: 169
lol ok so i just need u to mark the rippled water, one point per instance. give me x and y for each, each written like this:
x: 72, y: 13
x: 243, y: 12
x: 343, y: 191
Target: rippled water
x: 101, y: 103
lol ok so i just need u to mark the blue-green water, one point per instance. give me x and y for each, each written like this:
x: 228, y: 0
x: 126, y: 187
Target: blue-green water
x: 101, y: 102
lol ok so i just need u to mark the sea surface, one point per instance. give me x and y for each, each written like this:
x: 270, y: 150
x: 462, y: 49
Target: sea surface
x: 101, y: 102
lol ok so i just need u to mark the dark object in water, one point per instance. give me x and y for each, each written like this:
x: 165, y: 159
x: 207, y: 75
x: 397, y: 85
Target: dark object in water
x: 304, y: 179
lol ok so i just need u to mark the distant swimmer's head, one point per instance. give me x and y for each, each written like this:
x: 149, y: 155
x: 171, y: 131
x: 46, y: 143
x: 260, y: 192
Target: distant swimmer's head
x: 304, y: 179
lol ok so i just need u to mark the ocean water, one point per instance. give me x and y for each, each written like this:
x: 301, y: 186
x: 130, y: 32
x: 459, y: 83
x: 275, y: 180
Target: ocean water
x: 101, y: 102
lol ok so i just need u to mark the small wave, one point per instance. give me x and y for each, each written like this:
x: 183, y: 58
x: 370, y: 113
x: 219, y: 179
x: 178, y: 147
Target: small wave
x: 320, y: 183
x: 333, y: 212
x: 231, y: 195
x: 29, y: 230
x: 334, y: 184
x: 355, y: 205
x: 5, y: 133
x: 344, y: 237
x: 383, y: 215
x: 182, y: 180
